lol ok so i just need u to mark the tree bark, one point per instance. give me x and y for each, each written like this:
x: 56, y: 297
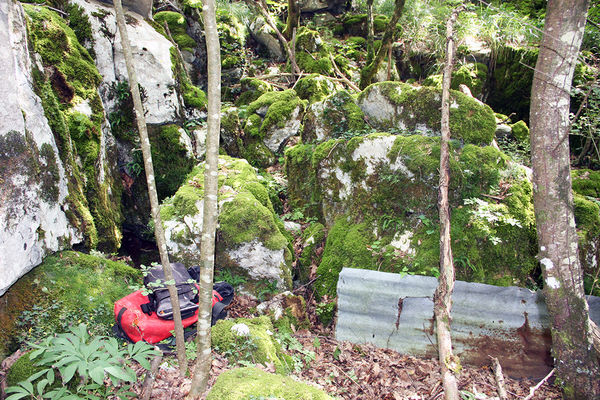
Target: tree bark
x: 576, y: 360
x: 370, y: 32
x: 159, y: 232
x: 442, y: 298
x: 209, y: 221
x: 369, y: 71
x: 293, y: 19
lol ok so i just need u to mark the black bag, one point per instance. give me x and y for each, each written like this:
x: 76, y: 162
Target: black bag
x: 159, y: 296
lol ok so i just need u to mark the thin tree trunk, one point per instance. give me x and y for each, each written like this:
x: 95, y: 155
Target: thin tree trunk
x: 293, y: 19
x: 209, y: 221
x: 159, y: 232
x: 369, y: 71
x: 370, y: 32
x: 576, y: 359
x: 442, y: 298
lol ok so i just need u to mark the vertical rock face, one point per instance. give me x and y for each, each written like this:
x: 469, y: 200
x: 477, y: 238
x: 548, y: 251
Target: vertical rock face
x: 33, y: 195
x: 152, y: 58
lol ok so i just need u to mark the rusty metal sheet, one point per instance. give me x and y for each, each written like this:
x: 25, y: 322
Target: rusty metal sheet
x: 396, y: 312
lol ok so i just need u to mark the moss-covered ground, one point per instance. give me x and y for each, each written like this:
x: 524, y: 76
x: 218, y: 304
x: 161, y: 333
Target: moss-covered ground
x: 67, y: 288
x: 253, y: 383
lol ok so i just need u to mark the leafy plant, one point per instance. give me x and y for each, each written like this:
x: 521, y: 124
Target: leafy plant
x: 89, y: 367
x: 300, y: 356
x: 266, y: 289
x: 242, y: 351
x: 226, y: 276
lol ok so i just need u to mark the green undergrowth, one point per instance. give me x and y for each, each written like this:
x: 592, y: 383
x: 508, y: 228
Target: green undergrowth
x: 66, y: 289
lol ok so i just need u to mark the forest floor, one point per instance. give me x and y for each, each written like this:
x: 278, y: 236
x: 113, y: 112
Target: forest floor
x: 349, y: 371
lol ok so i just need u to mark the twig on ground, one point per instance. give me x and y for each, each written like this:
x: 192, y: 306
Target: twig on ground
x: 536, y: 387
x: 499, y: 378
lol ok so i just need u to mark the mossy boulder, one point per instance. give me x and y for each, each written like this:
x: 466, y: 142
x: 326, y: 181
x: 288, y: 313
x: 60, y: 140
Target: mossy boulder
x: 472, y: 75
x: 67, y: 288
x: 252, y: 89
x: 405, y: 108
x: 586, y: 188
x: 373, y: 225
x: 510, y: 81
x: 251, y: 340
x: 252, y: 240
x: 275, y: 117
x: 253, y: 383
x: 312, y: 53
x: 336, y: 116
x: 68, y: 89
x: 520, y: 131
x: 315, y: 87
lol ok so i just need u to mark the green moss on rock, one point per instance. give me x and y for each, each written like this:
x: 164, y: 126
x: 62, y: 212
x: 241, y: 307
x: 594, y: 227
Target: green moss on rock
x: 252, y: 89
x: 520, y: 131
x: 473, y: 75
x: 375, y: 226
x: 177, y: 27
x: 418, y: 109
x: 314, y: 87
x: 71, y: 77
x: 586, y: 182
x: 266, y: 348
x: 171, y: 162
x: 276, y: 108
x: 337, y: 116
x: 253, y: 383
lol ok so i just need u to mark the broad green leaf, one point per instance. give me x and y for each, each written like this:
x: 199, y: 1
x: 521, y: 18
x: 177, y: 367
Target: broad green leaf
x: 122, y: 374
x: 68, y: 372
x: 41, y: 385
x: 17, y: 396
x: 37, y: 375
x: 97, y: 374
x: 50, y: 376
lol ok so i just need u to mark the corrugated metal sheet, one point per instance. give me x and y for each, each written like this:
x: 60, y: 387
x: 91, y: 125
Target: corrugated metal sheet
x: 396, y: 312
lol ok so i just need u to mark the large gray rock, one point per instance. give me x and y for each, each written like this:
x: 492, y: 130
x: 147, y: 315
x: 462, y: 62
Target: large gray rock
x: 251, y: 241
x: 266, y: 37
x: 33, y: 198
x: 151, y: 56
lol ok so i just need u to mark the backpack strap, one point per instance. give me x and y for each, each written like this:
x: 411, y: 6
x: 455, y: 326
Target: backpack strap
x: 218, y: 312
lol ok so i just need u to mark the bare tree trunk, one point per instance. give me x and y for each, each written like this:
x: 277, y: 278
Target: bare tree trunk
x: 369, y: 71
x: 159, y: 232
x: 209, y: 221
x: 442, y: 298
x: 370, y: 32
x: 293, y: 19
x: 576, y: 360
